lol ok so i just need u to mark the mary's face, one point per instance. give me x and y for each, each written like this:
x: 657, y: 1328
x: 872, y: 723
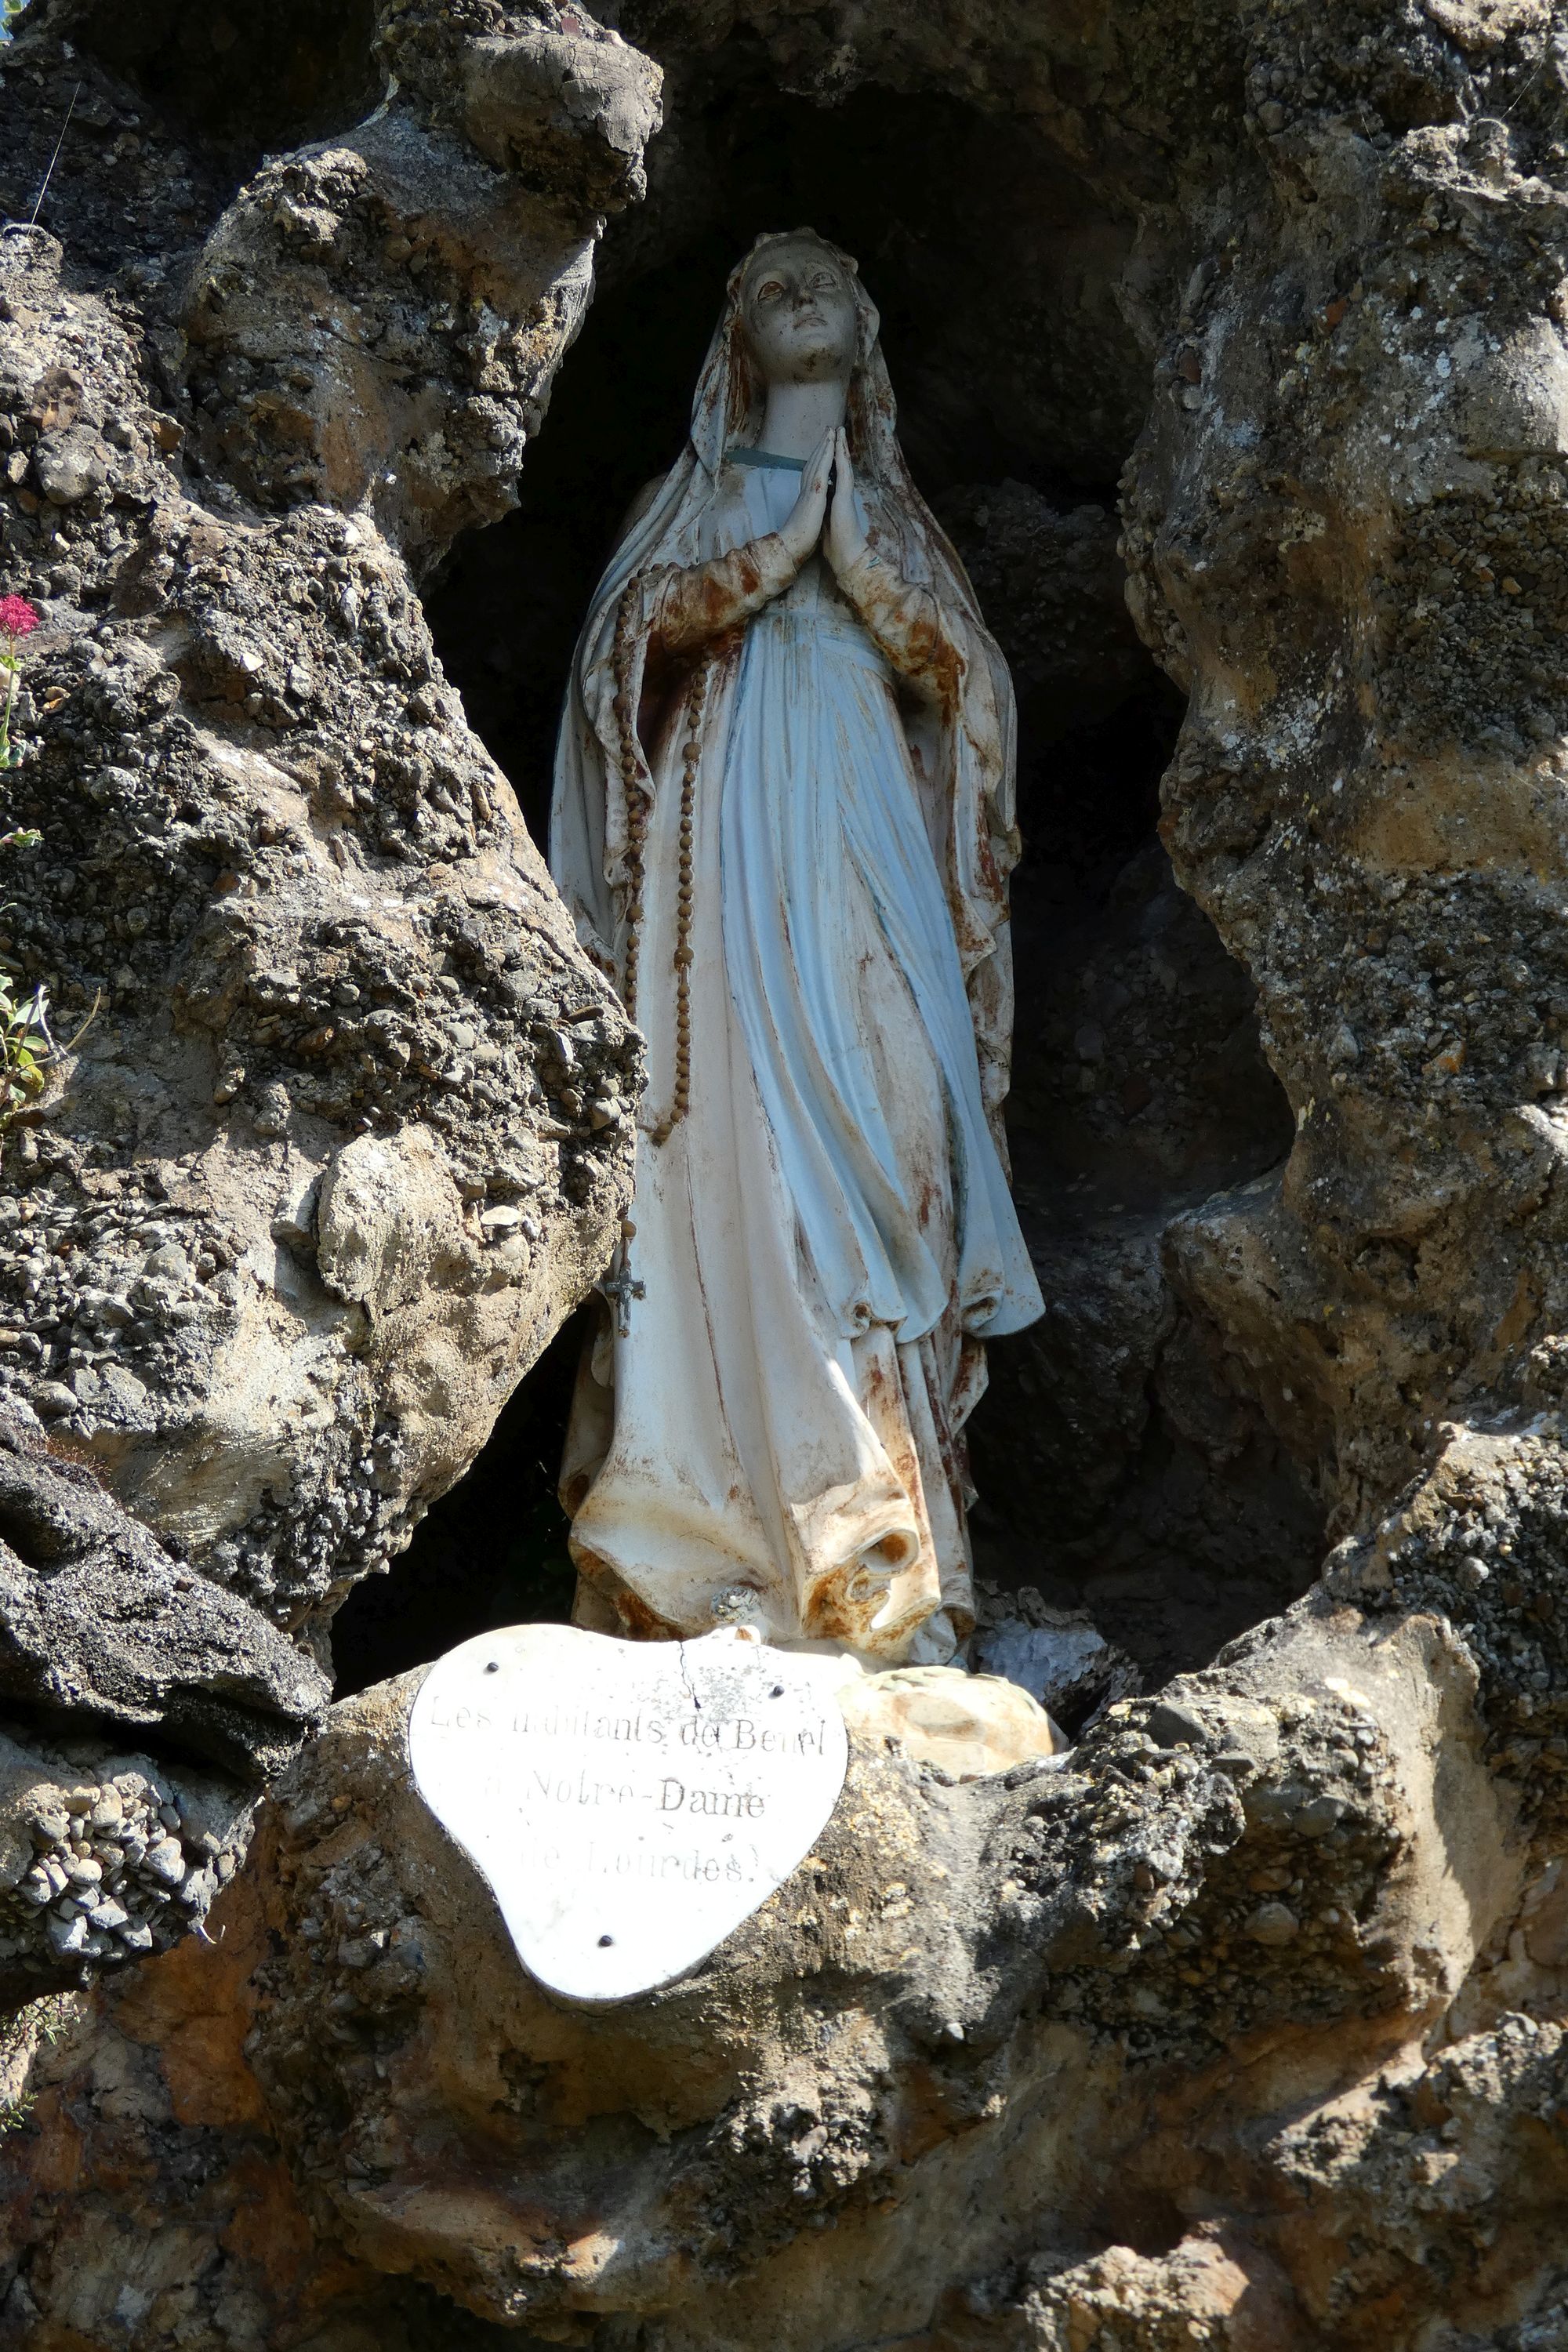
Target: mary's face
x: 799, y: 312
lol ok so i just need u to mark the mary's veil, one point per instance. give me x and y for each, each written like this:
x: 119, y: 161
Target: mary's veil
x: 967, y: 749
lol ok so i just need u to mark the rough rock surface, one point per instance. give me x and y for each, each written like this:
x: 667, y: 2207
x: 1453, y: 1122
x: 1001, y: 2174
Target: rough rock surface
x: 1301, y: 1848
x: 985, y: 2032
x: 1057, y: 1654
x: 96, y: 1619
x: 105, y: 1856
x: 347, y: 1132
x: 376, y: 324
x: 104, y: 1635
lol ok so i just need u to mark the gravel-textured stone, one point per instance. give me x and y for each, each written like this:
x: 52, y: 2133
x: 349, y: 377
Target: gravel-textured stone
x: 98, y: 1620
x: 281, y: 883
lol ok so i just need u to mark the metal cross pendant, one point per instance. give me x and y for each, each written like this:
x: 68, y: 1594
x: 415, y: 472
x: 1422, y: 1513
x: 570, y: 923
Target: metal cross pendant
x: 621, y: 1288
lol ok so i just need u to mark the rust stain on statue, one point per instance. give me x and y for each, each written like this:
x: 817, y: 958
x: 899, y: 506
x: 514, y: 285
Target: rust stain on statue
x: 931, y: 652
x: 830, y: 1615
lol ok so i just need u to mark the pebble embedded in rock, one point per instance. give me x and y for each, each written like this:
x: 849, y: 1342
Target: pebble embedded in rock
x: 69, y: 466
x: 1321, y: 1814
x: 166, y: 1861
x: 1273, y: 1924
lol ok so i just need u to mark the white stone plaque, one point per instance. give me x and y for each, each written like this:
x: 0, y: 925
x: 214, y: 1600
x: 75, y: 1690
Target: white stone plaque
x: 629, y: 1803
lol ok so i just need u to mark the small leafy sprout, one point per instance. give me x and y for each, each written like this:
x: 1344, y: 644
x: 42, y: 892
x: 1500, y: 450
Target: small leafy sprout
x: 25, y: 1041
x: 17, y: 620
x: 25, y: 1044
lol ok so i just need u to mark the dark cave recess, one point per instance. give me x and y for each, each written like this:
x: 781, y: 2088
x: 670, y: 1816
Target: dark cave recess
x: 1137, y: 1084
x: 491, y: 1552
x: 244, y: 78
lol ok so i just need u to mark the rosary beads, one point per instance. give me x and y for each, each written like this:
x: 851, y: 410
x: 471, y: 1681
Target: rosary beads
x: 636, y: 804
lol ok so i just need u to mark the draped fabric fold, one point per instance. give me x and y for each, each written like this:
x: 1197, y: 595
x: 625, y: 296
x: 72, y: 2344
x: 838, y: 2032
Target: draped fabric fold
x: 826, y: 1238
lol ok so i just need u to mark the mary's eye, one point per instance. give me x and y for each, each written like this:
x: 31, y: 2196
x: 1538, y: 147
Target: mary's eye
x: 825, y: 278
x: 769, y: 290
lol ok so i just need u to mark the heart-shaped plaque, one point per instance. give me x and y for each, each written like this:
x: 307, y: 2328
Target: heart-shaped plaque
x: 629, y: 1803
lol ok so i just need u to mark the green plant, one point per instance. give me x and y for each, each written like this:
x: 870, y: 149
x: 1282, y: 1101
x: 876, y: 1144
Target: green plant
x: 25, y: 1039
x: 39, y: 2025
x: 25, y: 1043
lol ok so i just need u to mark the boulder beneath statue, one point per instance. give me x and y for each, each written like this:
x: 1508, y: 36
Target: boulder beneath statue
x: 533, y: 2157
x: 972, y: 2011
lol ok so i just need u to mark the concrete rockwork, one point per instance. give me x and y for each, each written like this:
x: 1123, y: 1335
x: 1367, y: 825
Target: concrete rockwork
x: 1243, y: 2026
x: 344, y: 1133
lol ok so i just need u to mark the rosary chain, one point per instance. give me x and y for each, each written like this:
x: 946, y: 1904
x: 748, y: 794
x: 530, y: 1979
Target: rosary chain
x: 685, y: 899
x: 634, y: 798
x: 636, y: 815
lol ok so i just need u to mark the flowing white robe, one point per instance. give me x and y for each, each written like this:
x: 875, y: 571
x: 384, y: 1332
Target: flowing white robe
x: 828, y: 1236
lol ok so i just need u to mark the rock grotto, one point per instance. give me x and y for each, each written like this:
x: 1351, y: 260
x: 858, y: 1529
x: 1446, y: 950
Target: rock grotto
x: 335, y: 335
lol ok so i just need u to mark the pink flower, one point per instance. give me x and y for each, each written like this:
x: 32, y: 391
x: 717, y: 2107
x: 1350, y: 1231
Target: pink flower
x: 17, y: 618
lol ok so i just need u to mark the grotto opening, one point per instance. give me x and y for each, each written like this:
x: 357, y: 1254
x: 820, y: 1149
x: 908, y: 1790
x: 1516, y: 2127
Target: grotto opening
x: 1138, y: 1088
x: 1228, y: 344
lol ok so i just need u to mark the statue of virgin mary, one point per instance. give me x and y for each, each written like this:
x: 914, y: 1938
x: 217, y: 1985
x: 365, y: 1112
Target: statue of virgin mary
x: 784, y: 821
